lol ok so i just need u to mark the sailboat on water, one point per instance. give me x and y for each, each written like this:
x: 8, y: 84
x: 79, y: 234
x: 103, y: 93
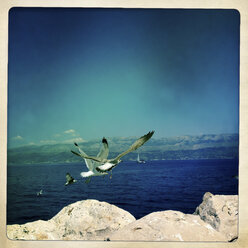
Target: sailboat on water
x: 140, y: 161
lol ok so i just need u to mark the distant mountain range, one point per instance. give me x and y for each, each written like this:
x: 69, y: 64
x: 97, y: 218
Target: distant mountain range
x: 221, y: 146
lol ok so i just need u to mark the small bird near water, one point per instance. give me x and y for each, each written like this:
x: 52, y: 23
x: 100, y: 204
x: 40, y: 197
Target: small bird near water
x: 39, y: 193
x: 69, y: 179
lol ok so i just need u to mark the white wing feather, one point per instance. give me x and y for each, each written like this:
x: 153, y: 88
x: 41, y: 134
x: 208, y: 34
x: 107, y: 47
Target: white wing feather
x: 91, y: 165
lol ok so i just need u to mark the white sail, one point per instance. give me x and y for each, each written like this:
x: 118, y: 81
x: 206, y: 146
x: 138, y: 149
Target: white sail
x: 140, y: 161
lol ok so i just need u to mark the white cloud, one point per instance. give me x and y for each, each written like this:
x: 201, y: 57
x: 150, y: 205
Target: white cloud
x: 70, y: 131
x: 18, y: 137
x: 66, y: 137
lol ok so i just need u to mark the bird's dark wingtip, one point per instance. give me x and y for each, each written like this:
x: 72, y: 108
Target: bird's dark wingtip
x: 75, y: 144
x: 104, y: 140
x: 151, y: 133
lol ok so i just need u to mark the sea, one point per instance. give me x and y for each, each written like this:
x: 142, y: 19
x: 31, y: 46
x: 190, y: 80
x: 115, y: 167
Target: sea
x: 137, y: 188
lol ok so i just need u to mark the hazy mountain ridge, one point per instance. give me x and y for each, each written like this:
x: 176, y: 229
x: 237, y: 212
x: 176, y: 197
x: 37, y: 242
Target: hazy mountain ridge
x: 180, y: 147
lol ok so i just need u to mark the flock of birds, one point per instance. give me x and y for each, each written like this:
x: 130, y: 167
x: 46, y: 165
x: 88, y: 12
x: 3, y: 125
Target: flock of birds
x: 101, y: 165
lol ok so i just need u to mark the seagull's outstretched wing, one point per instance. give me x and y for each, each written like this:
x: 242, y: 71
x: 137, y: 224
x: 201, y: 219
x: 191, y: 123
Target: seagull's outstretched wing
x: 76, y: 153
x: 82, y: 154
x: 138, y: 143
x: 80, y: 150
x: 103, y: 154
x: 89, y: 157
x: 94, y: 158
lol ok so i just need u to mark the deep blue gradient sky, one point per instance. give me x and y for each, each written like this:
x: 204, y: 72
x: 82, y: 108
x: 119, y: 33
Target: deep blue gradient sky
x: 86, y: 73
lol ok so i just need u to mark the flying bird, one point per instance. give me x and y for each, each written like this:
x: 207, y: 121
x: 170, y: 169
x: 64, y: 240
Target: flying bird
x: 109, y: 164
x: 40, y: 193
x: 69, y: 179
x: 91, y: 164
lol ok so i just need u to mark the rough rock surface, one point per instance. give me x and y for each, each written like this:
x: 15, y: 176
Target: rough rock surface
x: 168, y: 226
x: 83, y: 220
x: 221, y: 212
x: 215, y: 219
x: 37, y: 230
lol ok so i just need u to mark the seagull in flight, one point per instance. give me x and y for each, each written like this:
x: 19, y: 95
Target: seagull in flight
x: 39, y: 193
x: 109, y: 164
x: 91, y: 164
x: 69, y: 179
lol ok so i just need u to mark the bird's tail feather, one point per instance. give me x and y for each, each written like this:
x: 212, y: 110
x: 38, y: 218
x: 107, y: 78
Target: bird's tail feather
x: 87, y: 174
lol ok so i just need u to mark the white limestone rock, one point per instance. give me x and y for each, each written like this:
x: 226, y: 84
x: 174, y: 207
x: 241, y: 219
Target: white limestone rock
x: 168, y: 226
x: 90, y: 220
x: 83, y: 220
x: 215, y: 219
x: 221, y: 212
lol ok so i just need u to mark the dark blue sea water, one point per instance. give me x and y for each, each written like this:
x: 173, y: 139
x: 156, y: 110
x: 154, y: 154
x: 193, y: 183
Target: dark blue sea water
x: 137, y: 188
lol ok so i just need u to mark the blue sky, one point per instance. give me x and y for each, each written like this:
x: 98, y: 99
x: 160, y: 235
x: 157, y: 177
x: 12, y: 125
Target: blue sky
x: 81, y: 74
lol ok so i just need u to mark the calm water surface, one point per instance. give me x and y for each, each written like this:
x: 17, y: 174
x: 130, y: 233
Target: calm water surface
x: 137, y: 188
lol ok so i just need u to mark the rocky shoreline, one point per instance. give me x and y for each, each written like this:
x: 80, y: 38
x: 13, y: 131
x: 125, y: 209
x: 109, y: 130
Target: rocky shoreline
x: 215, y: 219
